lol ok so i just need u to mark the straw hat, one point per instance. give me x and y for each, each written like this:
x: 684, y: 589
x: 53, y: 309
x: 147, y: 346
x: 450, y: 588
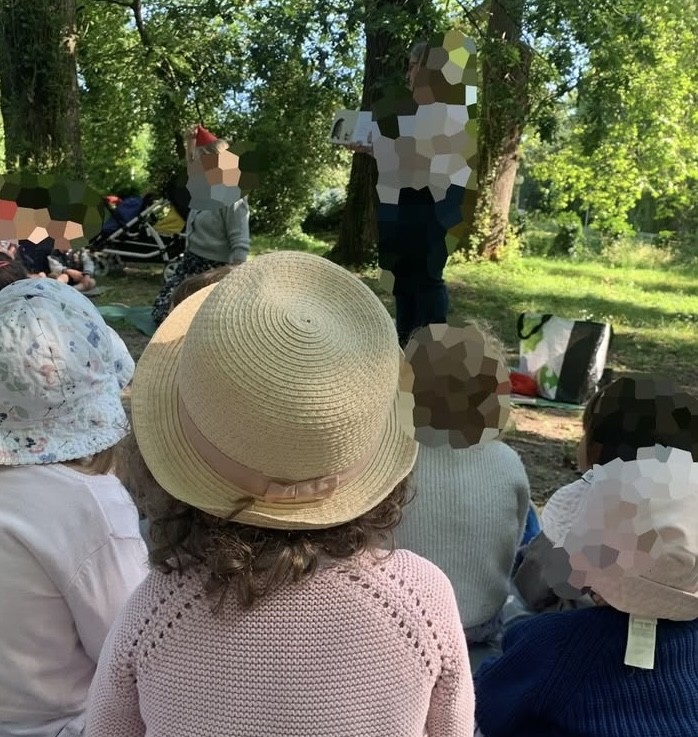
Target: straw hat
x: 277, y: 386
x: 62, y: 370
x: 634, y: 540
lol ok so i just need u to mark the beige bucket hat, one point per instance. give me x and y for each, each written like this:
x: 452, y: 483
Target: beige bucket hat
x: 634, y: 538
x: 278, y: 386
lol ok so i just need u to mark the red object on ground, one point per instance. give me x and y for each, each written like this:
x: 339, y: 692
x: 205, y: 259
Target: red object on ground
x: 8, y: 209
x: 204, y: 137
x: 523, y: 384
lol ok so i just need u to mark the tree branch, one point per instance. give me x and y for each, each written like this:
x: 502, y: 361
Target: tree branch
x: 122, y: 3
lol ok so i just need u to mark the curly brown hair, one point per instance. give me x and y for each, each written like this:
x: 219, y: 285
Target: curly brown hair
x: 251, y: 560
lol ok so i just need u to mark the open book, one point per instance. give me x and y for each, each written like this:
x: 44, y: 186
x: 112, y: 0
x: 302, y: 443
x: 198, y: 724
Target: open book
x: 351, y: 126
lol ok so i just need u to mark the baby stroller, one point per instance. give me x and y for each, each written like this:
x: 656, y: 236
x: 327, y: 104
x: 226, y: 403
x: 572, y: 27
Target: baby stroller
x: 138, y: 232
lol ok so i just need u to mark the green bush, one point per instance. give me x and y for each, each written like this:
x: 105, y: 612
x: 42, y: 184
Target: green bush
x: 665, y: 239
x: 326, y: 210
x: 570, y: 235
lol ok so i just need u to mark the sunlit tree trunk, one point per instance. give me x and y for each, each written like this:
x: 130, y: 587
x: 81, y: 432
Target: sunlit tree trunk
x: 503, y: 113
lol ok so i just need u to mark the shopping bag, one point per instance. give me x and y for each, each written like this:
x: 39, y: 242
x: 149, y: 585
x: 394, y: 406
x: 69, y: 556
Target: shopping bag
x: 565, y: 357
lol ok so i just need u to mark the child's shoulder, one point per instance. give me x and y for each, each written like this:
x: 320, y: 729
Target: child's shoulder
x: 408, y: 576
x: 563, y: 506
x: 572, y: 625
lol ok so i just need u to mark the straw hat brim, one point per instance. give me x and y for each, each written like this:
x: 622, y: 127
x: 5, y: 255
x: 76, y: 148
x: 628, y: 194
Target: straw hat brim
x: 184, y: 474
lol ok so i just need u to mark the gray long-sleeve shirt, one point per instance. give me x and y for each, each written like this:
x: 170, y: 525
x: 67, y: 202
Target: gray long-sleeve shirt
x: 221, y: 235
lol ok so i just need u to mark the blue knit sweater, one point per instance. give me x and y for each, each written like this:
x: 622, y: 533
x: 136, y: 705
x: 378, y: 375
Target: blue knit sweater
x: 562, y: 675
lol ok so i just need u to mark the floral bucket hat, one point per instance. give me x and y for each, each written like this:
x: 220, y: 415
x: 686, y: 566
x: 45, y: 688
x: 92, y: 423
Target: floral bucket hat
x: 62, y: 370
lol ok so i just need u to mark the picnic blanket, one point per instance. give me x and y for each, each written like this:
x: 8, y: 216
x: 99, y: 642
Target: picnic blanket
x: 520, y: 399
x: 139, y: 317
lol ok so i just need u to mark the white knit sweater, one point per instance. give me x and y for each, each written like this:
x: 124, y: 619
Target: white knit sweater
x: 468, y: 517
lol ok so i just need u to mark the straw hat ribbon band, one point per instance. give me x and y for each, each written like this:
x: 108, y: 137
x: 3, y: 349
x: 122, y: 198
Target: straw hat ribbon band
x: 256, y: 484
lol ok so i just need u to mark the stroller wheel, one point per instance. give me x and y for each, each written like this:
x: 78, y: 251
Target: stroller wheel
x: 170, y: 268
x: 102, y: 265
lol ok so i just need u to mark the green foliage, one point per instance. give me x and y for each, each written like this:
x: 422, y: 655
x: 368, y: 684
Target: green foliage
x: 570, y: 235
x: 270, y: 73
x: 326, y: 210
x: 630, y: 128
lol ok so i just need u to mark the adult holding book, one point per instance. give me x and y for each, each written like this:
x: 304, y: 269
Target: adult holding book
x: 424, y: 144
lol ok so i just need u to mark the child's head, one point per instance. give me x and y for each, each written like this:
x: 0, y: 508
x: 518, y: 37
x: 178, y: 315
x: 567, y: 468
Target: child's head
x: 637, y: 412
x: 61, y: 375
x: 455, y: 385
x: 266, y: 408
x: 634, y: 541
x: 193, y: 284
x: 11, y: 270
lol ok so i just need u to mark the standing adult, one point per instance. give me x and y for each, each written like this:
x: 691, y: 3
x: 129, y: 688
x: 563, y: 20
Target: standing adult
x: 424, y: 145
x: 218, y: 231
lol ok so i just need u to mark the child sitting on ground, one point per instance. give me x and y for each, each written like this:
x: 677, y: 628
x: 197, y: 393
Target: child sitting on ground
x: 75, y: 268
x: 628, y: 538
x: 266, y: 414
x: 472, y: 491
x: 630, y: 413
x: 70, y: 550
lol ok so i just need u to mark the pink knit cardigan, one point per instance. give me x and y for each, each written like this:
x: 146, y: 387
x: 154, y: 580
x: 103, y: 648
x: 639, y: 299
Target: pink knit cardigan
x: 370, y: 648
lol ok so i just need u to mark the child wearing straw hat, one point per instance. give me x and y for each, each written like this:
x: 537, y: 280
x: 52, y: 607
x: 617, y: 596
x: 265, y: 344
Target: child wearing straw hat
x: 626, y: 666
x: 273, y: 469
x: 472, y: 491
x: 70, y: 549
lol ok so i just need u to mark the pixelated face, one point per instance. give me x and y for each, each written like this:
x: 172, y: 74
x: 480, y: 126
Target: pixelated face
x: 33, y: 208
x: 637, y: 525
x: 454, y: 388
x: 214, y: 179
x: 426, y: 142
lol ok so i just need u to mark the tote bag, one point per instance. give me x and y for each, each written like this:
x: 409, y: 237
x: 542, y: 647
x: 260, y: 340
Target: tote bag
x: 565, y: 357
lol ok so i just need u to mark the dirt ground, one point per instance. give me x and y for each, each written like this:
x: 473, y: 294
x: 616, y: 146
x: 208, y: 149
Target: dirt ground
x: 546, y: 439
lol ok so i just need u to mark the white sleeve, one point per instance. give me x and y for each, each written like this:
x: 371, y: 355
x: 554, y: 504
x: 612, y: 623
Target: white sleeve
x: 102, y: 585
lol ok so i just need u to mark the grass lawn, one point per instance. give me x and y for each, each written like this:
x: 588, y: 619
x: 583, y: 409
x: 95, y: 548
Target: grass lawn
x: 654, y: 312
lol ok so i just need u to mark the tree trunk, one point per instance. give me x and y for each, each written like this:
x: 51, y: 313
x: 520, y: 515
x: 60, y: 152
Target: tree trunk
x: 40, y: 96
x: 387, y: 43
x: 504, y: 110
x: 358, y: 232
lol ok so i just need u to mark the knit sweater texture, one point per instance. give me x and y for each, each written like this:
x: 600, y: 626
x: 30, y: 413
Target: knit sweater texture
x: 221, y: 235
x: 468, y: 517
x: 368, y: 648
x: 562, y: 675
